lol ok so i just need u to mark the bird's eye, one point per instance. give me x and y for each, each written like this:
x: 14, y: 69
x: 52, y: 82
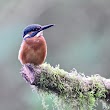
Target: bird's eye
x: 38, y: 28
x: 35, y: 29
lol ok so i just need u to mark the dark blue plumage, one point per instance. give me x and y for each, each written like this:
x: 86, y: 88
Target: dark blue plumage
x: 31, y: 28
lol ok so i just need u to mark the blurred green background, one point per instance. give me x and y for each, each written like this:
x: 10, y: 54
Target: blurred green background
x: 80, y: 39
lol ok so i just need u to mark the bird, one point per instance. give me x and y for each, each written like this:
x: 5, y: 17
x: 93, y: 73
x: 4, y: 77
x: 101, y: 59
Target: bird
x: 33, y: 48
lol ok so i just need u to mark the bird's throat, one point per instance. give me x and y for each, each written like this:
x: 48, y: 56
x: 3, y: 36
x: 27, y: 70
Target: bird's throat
x: 39, y: 34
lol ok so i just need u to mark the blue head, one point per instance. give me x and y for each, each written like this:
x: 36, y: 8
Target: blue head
x: 34, y: 30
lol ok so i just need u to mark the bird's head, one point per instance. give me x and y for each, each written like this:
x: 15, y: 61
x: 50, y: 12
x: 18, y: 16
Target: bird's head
x: 35, y: 30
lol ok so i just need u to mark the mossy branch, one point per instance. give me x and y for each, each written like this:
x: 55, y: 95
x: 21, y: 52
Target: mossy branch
x: 73, y: 88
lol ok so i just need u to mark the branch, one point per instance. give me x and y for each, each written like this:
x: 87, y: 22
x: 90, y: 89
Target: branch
x: 73, y: 88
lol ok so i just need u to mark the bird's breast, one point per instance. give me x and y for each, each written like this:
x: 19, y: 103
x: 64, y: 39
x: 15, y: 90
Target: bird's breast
x: 33, y: 50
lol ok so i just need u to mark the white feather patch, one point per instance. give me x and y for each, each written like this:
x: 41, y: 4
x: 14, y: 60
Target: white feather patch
x: 39, y: 34
x: 27, y: 35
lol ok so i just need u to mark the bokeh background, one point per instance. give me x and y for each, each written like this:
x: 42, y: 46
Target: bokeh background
x: 80, y: 39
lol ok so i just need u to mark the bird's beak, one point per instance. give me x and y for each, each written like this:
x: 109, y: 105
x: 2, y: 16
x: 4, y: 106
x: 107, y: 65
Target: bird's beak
x: 46, y: 26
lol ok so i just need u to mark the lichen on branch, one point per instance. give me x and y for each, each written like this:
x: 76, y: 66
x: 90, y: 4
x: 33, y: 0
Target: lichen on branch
x: 73, y: 88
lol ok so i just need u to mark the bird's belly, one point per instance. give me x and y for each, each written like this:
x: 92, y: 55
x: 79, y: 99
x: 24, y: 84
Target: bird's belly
x: 36, y: 57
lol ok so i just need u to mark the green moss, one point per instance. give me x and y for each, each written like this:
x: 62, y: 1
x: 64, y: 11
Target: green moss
x: 70, y: 88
